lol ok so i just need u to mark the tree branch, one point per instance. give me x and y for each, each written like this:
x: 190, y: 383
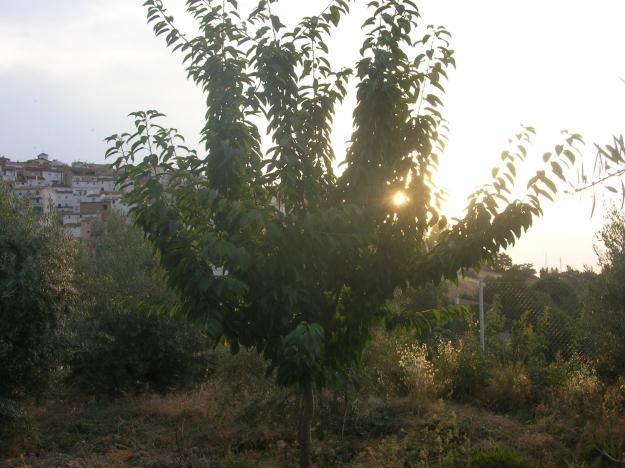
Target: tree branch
x: 618, y: 173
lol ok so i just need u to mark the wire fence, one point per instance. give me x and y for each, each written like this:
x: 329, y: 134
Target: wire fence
x: 521, y: 306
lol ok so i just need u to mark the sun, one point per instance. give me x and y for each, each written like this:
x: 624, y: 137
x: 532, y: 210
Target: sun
x: 399, y: 198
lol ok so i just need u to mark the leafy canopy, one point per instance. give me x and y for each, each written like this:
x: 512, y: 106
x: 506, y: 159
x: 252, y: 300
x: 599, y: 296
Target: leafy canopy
x: 604, y: 320
x: 119, y: 346
x: 36, y: 294
x: 271, y: 248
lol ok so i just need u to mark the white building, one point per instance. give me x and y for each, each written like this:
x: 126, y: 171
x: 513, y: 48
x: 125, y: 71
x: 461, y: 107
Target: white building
x: 41, y: 198
x: 79, y: 193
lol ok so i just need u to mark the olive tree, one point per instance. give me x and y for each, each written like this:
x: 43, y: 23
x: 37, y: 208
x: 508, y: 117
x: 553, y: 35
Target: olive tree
x: 271, y: 248
x: 36, y: 294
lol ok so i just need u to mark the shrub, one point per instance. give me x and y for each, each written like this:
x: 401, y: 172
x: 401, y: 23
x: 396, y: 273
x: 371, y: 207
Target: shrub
x: 130, y: 352
x: 613, y: 402
x: 246, y: 393
x: 120, y: 346
x: 380, y: 373
x: 527, y: 343
x: 608, y: 432
x: 460, y: 371
x: 603, y: 440
x: 509, y: 388
x: 36, y: 295
x: 496, y: 346
x: 446, y: 361
x: 601, y: 324
x: 471, y: 378
x: 395, y: 365
x: 418, y: 374
x: 580, y: 388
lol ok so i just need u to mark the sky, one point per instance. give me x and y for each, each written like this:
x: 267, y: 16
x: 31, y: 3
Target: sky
x: 71, y: 71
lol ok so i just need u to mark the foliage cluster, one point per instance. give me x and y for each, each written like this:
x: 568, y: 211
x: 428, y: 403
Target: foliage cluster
x: 124, y: 337
x: 570, y: 313
x: 604, y: 314
x: 507, y: 380
x: 36, y: 295
x: 274, y: 251
x: 418, y: 374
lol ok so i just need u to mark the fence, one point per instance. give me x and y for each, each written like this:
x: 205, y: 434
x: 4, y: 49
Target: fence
x: 518, y: 302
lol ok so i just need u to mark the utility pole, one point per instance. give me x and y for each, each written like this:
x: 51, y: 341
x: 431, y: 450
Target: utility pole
x: 482, y: 324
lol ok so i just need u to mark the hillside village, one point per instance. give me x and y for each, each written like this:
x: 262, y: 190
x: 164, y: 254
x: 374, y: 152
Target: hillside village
x: 337, y: 261
x: 80, y: 193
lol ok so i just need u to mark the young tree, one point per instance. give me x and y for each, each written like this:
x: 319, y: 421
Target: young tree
x: 274, y: 250
x: 36, y: 293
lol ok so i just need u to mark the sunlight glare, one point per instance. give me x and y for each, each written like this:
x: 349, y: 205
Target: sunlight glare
x: 399, y: 198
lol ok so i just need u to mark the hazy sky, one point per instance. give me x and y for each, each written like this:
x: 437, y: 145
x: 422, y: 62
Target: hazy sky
x: 71, y: 70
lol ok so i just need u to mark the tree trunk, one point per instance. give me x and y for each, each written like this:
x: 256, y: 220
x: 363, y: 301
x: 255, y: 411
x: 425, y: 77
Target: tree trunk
x: 305, y: 425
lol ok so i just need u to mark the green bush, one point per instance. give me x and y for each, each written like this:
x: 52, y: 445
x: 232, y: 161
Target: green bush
x: 528, y: 343
x: 509, y: 388
x: 36, y: 295
x: 471, y: 377
x: 603, y: 439
x: 130, y: 352
x: 460, y: 371
x: 381, y: 373
x: 496, y: 346
x: 602, y: 324
x: 579, y: 388
x: 119, y: 345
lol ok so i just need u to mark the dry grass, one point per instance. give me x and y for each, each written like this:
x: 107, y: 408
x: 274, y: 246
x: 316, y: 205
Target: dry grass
x: 196, y: 429
x: 538, y: 438
x: 239, y: 418
x: 201, y: 400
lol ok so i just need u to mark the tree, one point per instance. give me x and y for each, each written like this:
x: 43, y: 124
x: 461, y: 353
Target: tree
x: 125, y: 338
x: 274, y: 250
x: 602, y: 323
x: 36, y: 294
x: 502, y: 262
x: 115, y: 262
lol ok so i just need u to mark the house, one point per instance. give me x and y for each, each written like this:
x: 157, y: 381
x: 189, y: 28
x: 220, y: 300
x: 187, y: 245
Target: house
x: 80, y: 193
